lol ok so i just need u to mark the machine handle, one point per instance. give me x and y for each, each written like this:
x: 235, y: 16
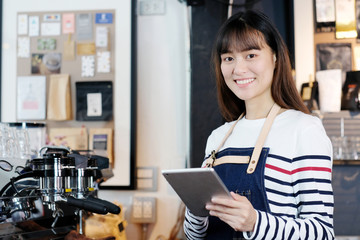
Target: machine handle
x: 112, y: 208
x: 87, y: 205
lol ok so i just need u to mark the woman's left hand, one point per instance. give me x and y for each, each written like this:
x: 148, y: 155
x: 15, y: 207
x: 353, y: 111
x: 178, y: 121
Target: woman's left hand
x: 237, y: 212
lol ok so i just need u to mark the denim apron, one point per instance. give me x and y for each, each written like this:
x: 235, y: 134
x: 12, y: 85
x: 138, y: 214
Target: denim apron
x: 242, y: 171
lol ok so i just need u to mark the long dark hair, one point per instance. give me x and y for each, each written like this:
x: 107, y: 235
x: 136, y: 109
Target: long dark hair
x: 245, y: 31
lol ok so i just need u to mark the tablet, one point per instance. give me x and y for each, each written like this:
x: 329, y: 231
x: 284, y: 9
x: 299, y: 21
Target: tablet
x: 196, y: 187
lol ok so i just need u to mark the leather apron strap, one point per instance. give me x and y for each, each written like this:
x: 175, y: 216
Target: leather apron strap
x: 262, y: 137
x: 212, y: 161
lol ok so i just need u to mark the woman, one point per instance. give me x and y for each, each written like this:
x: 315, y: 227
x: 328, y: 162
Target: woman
x: 275, y: 158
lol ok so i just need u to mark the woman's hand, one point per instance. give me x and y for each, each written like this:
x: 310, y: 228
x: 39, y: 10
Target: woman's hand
x: 238, y: 212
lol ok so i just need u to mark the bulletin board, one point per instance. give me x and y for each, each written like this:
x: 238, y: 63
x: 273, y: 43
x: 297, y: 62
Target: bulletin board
x: 117, y: 72
x: 58, y: 37
x: 53, y: 43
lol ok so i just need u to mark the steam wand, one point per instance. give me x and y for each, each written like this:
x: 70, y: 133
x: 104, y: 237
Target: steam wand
x: 56, y: 214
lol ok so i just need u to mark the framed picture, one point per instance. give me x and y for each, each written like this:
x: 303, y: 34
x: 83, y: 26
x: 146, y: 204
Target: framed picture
x: 324, y: 15
x: 334, y: 56
x: 74, y: 138
x: 94, y: 101
x: 20, y: 40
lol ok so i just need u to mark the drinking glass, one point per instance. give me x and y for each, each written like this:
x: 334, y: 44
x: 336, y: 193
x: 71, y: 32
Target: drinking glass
x: 339, y: 147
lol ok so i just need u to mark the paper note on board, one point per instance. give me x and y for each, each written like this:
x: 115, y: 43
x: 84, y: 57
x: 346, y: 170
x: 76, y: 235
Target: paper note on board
x: 103, y: 62
x: 50, y: 29
x: 87, y: 66
x: 31, y: 97
x: 22, y: 24
x: 34, y: 26
x: 23, y: 47
x: 68, y: 23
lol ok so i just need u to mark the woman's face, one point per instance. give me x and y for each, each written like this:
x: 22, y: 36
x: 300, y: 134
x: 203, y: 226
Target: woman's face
x: 249, y: 73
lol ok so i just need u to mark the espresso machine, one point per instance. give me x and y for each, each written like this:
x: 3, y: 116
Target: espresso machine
x: 51, y: 194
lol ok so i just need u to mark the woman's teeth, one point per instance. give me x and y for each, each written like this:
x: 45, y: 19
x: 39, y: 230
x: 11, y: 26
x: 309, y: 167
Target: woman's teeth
x: 245, y: 81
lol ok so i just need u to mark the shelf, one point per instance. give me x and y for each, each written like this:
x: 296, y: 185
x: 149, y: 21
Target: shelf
x: 346, y: 162
x: 342, y: 114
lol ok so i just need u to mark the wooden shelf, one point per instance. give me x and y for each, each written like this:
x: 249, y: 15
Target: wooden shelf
x: 342, y: 114
x: 346, y: 162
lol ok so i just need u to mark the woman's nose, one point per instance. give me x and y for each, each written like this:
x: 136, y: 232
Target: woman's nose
x: 240, y: 66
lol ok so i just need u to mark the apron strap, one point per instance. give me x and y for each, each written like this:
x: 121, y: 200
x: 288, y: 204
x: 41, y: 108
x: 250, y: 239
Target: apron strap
x: 210, y: 162
x: 228, y: 133
x: 262, y: 137
x: 227, y: 159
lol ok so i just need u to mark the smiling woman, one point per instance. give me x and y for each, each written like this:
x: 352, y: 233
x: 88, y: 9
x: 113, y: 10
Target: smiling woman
x: 284, y: 191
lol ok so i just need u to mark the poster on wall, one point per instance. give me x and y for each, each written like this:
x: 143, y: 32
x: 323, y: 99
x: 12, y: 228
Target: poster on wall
x: 357, y: 12
x: 44, y: 64
x: 94, y: 101
x: 334, y: 56
x: 101, y: 142
x: 325, y: 15
x: 68, y: 23
x: 84, y: 26
x: 345, y: 26
x: 34, y: 27
x: 31, y: 97
x: 22, y: 24
x: 23, y: 47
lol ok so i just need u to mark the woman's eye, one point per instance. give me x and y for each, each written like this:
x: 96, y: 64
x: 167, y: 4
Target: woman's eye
x: 250, y: 55
x: 227, y: 59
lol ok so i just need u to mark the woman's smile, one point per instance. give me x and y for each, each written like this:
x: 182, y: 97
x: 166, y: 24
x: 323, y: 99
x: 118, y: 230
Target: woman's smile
x: 244, y: 82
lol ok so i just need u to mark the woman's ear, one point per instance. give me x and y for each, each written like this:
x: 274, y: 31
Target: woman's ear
x: 274, y: 58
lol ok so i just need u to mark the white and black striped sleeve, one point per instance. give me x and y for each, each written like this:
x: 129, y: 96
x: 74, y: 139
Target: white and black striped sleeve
x: 195, y: 227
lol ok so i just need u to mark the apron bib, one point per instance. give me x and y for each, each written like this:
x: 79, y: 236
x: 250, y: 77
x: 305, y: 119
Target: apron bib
x: 242, y: 171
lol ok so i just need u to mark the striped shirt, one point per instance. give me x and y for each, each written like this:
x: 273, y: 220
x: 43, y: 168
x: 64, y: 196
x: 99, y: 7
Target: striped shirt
x: 297, y: 178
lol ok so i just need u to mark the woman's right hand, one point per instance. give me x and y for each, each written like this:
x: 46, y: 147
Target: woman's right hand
x: 237, y: 212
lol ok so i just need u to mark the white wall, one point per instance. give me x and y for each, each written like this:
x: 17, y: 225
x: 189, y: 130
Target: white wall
x: 304, y: 41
